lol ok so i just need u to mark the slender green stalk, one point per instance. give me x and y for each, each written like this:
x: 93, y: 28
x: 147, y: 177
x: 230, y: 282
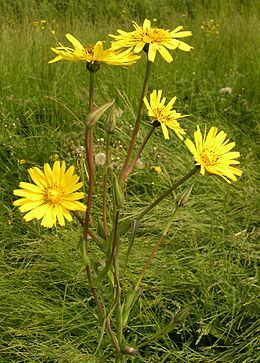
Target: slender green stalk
x: 120, y: 357
x: 105, y: 180
x: 91, y: 234
x: 167, y: 192
x: 129, y: 249
x: 102, y: 311
x: 155, y: 249
x: 137, y: 122
x: 119, y: 329
x: 139, y: 152
x: 89, y: 140
x: 89, y: 156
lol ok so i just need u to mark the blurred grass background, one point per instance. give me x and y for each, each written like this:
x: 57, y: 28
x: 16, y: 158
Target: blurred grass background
x: 210, y: 260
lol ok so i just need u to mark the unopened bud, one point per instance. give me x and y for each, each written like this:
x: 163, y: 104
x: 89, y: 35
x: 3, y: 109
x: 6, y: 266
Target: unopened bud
x: 117, y: 193
x: 95, y: 115
x: 130, y: 350
x: 110, y: 124
x: 183, y: 198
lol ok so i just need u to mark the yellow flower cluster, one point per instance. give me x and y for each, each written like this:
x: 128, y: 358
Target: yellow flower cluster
x: 43, y: 24
x: 52, y: 195
x: 210, y: 27
x: 211, y: 152
x: 126, y: 45
x: 40, y: 23
x: 92, y: 54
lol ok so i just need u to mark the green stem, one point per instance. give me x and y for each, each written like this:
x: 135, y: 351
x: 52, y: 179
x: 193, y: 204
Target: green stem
x: 102, y: 311
x: 130, y: 243
x: 91, y: 92
x: 148, y: 262
x: 91, y: 234
x: 155, y: 249
x: 120, y: 358
x: 89, y: 141
x: 137, y: 122
x: 105, y: 180
x: 112, y: 251
x: 139, y: 152
x: 167, y: 192
x: 119, y: 328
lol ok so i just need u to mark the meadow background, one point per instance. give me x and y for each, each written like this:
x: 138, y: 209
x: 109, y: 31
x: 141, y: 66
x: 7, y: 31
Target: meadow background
x: 209, y: 262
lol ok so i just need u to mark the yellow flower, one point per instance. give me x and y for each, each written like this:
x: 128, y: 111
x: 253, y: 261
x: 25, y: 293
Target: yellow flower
x: 151, y: 40
x: 54, y: 157
x: 93, y: 54
x: 21, y: 161
x: 52, y: 196
x: 212, y: 153
x: 157, y: 169
x: 164, y: 115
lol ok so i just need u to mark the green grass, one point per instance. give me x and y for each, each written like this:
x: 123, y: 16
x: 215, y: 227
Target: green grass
x: 209, y: 262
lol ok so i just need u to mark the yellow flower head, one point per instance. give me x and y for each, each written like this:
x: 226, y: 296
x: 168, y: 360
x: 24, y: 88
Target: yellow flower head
x: 157, y: 169
x: 93, y: 54
x: 21, y: 161
x: 212, y: 153
x: 52, y: 196
x: 151, y: 40
x: 164, y: 114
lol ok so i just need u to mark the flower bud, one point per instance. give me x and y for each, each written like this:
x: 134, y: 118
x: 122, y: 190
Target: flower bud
x: 110, y: 124
x: 95, y: 115
x: 183, y: 198
x: 117, y: 193
x: 130, y: 350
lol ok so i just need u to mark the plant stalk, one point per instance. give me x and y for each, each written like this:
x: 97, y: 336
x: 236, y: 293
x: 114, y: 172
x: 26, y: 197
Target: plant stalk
x: 155, y: 249
x: 105, y: 186
x: 89, y: 141
x: 137, y: 122
x: 167, y: 192
x: 139, y: 152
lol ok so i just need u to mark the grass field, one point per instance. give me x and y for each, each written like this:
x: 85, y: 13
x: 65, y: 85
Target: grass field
x: 209, y: 262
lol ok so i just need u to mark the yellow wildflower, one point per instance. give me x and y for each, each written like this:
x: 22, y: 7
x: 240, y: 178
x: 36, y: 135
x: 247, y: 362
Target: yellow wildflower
x: 21, y: 161
x: 151, y: 40
x: 52, y: 196
x: 164, y: 115
x: 93, y: 54
x: 212, y: 153
x: 157, y: 169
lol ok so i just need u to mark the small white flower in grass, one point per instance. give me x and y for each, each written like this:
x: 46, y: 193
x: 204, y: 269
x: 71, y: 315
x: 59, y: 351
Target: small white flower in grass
x: 226, y: 90
x: 100, y: 159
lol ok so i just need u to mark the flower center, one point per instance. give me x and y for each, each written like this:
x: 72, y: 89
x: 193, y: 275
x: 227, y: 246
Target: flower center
x: 153, y: 35
x: 89, y: 51
x: 161, y: 116
x: 53, y: 194
x: 208, y: 157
